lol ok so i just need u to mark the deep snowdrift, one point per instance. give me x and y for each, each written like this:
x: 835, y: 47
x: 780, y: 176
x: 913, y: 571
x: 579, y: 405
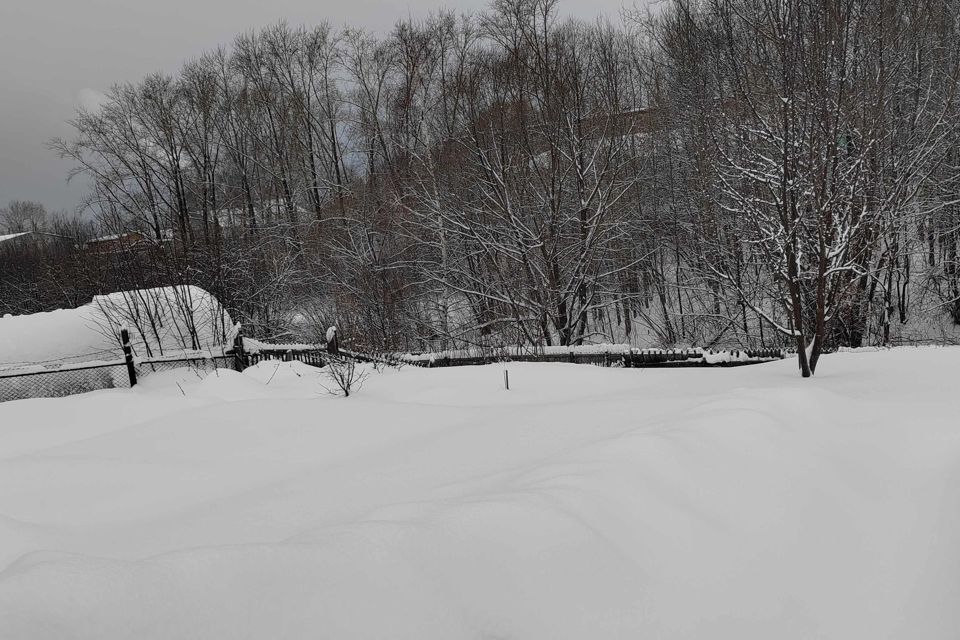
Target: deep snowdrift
x: 161, y: 321
x: 583, y: 503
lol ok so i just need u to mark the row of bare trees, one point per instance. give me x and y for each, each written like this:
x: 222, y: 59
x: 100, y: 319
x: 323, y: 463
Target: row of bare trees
x: 776, y: 172
x: 825, y: 135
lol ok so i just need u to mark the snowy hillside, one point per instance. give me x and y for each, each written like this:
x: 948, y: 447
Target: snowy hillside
x: 584, y: 503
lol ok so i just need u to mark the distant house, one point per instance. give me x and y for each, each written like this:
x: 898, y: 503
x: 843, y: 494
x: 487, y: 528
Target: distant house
x: 26, y: 240
x: 15, y: 239
x: 633, y: 122
x: 115, y: 243
x: 273, y: 209
x: 35, y: 240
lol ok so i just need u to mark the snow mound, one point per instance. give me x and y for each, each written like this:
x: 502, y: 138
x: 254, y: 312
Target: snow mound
x: 227, y: 384
x: 732, y: 504
x: 161, y: 321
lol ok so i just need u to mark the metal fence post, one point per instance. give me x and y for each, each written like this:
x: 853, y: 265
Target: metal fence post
x: 128, y: 356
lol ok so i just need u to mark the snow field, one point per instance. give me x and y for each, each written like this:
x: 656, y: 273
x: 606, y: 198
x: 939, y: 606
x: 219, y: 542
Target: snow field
x: 584, y: 503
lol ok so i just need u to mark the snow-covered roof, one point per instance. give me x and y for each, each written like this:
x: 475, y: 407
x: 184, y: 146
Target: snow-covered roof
x: 11, y: 236
x: 114, y: 236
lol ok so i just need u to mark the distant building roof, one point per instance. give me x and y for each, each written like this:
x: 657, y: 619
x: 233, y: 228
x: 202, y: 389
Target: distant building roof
x: 110, y: 238
x: 116, y: 242
x: 11, y: 236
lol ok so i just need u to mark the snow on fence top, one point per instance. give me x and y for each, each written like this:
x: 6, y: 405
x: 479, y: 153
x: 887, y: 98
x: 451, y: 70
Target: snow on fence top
x: 520, y: 350
x: 592, y: 353
x: 252, y: 345
x: 162, y: 322
x: 708, y: 356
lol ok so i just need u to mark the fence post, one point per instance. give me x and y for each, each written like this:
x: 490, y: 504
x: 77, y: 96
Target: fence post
x: 239, y: 357
x: 128, y: 357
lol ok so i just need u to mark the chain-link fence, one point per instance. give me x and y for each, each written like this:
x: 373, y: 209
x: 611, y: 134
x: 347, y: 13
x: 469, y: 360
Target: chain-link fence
x: 55, y: 382
x: 206, y: 364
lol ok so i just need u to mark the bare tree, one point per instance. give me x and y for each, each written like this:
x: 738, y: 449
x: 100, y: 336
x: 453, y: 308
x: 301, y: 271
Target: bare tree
x: 779, y: 172
x: 23, y: 215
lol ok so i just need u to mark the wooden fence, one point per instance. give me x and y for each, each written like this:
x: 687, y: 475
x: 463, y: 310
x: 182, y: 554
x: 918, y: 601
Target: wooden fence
x: 635, y: 359
x: 66, y: 379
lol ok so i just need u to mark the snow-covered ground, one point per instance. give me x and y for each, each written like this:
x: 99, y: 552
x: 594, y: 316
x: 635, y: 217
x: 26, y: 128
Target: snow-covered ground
x: 583, y: 503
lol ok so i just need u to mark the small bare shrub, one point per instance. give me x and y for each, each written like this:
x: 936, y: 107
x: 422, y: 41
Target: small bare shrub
x: 344, y: 375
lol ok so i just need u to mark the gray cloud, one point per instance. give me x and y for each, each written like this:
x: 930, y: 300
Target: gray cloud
x: 56, y: 55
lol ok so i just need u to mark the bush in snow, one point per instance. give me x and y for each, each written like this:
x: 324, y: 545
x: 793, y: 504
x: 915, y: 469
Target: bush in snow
x: 344, y: 375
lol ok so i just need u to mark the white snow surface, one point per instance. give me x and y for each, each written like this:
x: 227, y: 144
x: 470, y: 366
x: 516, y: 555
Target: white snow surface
x: 585, y: 502
x: 91, y: 332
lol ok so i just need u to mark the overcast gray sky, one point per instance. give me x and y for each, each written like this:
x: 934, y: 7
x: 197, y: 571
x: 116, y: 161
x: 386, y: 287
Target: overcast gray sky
x: 57, y: 54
